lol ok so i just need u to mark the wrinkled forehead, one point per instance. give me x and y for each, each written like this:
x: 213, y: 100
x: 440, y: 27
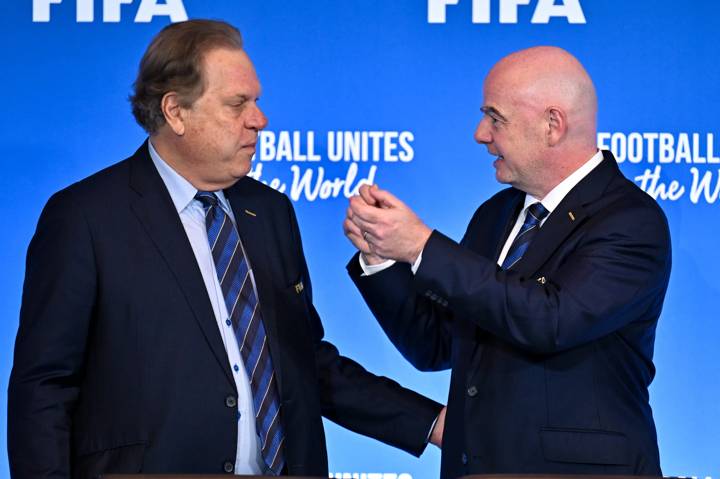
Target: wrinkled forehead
x: 226, y: 59
x: 226, y: 66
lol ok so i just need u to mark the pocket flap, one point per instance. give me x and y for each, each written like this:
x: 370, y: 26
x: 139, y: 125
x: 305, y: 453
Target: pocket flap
x: 126, y: 459
x: 585, y: 446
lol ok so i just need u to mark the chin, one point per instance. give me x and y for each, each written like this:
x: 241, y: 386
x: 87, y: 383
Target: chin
x: 500, y: 177
x: 241, y: 170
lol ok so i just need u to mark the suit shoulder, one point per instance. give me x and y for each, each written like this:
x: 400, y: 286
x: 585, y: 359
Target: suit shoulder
x: 98, y: 185
x: 110, y: 176
x: 627, y: 197
x: 626, y: 211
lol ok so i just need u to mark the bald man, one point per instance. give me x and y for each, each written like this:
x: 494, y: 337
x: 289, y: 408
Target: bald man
x: 547, y: 308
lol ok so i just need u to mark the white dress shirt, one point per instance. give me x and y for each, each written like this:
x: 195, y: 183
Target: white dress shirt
x: 550, y: 202
x: 192, y: 214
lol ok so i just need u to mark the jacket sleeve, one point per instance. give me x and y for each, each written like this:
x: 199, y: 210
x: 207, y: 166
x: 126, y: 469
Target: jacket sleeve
x: 614, y: 275
x: 358, y: 400
x: 55, y: 316
x: 418, y: 326
x: 416, y: 320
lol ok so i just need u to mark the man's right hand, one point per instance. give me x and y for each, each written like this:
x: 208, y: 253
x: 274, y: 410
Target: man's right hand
x: 436, y: 436
x: 354, y: 234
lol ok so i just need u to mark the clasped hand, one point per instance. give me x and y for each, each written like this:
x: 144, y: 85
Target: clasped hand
x: 382, y: 227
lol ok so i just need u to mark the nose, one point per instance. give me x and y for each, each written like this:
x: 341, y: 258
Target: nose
x: 482, y: 132
x: 256, y: 119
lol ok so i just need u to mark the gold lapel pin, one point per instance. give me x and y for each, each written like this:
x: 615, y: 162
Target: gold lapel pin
x: 541, y: 280
x: 250, y: 213
x: 299, y: 287
x: 570, y: 214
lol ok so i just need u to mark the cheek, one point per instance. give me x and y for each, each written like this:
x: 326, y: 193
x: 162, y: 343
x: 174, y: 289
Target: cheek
x: 534, y: 135
x: 229, y: 132
x: 203, y: 141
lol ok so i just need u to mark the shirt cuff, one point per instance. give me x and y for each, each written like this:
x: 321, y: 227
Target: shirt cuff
x: 432, y: 426
x: 416, y: 264
x: 370, y: 269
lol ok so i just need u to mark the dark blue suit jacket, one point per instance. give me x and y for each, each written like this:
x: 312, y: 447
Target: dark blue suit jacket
x: 119, y: 365
x: 551, y: 360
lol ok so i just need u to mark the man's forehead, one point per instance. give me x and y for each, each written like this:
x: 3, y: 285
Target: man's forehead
x: 493, y: 98
x: 225, y: 67
x: 505, y: 92
x: 226, y: 59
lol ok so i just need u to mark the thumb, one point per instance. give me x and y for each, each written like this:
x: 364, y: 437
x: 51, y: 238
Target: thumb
x: 366, y: 195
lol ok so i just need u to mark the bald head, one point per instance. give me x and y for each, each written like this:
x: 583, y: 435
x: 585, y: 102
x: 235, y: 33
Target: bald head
x: 542, y: 110
x: 544, y: 77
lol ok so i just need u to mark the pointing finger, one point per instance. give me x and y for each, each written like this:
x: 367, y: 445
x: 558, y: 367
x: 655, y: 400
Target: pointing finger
x: 386, y: 199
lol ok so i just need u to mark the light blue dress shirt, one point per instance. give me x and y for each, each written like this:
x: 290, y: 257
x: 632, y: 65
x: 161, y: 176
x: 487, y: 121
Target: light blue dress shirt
x: 248, y: 459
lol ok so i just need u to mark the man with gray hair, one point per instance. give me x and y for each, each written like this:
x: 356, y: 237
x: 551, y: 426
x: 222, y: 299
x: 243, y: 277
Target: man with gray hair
x: 546, y: 310
x: 167, y: 323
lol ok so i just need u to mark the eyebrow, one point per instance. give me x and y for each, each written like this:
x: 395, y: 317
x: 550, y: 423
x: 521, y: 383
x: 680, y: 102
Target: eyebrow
x: 245, y: 95
x: 492, y: 111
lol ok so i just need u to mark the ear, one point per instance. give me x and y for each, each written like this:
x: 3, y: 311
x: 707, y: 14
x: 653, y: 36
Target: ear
x: 556, y: 125
x: 173, y: 112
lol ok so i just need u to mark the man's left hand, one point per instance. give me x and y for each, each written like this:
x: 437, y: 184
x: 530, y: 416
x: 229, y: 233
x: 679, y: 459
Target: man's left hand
x: 436, y: 436
x: 393, y: 230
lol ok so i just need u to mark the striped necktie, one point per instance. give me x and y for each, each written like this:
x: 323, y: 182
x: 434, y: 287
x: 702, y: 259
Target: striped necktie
x: 534, y: 215
x: 244, y: 313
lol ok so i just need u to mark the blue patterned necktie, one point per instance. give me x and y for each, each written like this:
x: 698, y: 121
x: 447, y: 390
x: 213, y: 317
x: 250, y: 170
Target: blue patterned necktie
x: 535, y: 214
x: 244, y: 313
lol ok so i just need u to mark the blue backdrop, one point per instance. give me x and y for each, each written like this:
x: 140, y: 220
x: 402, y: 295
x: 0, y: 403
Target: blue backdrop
x: 390, y: 90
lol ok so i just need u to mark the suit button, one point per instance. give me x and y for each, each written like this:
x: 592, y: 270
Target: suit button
x: 464, y: 458
x: 228, y: 467
x: 230, y: 401
x: 472, y: 391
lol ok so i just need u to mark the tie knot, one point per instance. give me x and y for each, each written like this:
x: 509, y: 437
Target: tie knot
x: 536, y: 212
x: 207, y: 198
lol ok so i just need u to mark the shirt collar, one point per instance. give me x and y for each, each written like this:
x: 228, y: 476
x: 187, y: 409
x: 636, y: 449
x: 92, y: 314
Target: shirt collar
x: 557, y: 194
x: 182, y: 192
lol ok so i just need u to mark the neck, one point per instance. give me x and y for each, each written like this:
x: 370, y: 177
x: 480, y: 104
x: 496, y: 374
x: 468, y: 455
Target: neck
x: 571, y: 161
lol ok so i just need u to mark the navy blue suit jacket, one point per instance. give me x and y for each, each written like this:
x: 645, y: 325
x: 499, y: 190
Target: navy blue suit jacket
x: 551, y: 360
x: 119, y: 365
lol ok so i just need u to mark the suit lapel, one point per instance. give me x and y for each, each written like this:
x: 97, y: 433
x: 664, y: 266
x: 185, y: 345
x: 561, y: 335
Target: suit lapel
x: 157, y: 214
x: 569, y: 215
x: 251, y: 217
x: 487, y: 237
x: 508, y: 215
